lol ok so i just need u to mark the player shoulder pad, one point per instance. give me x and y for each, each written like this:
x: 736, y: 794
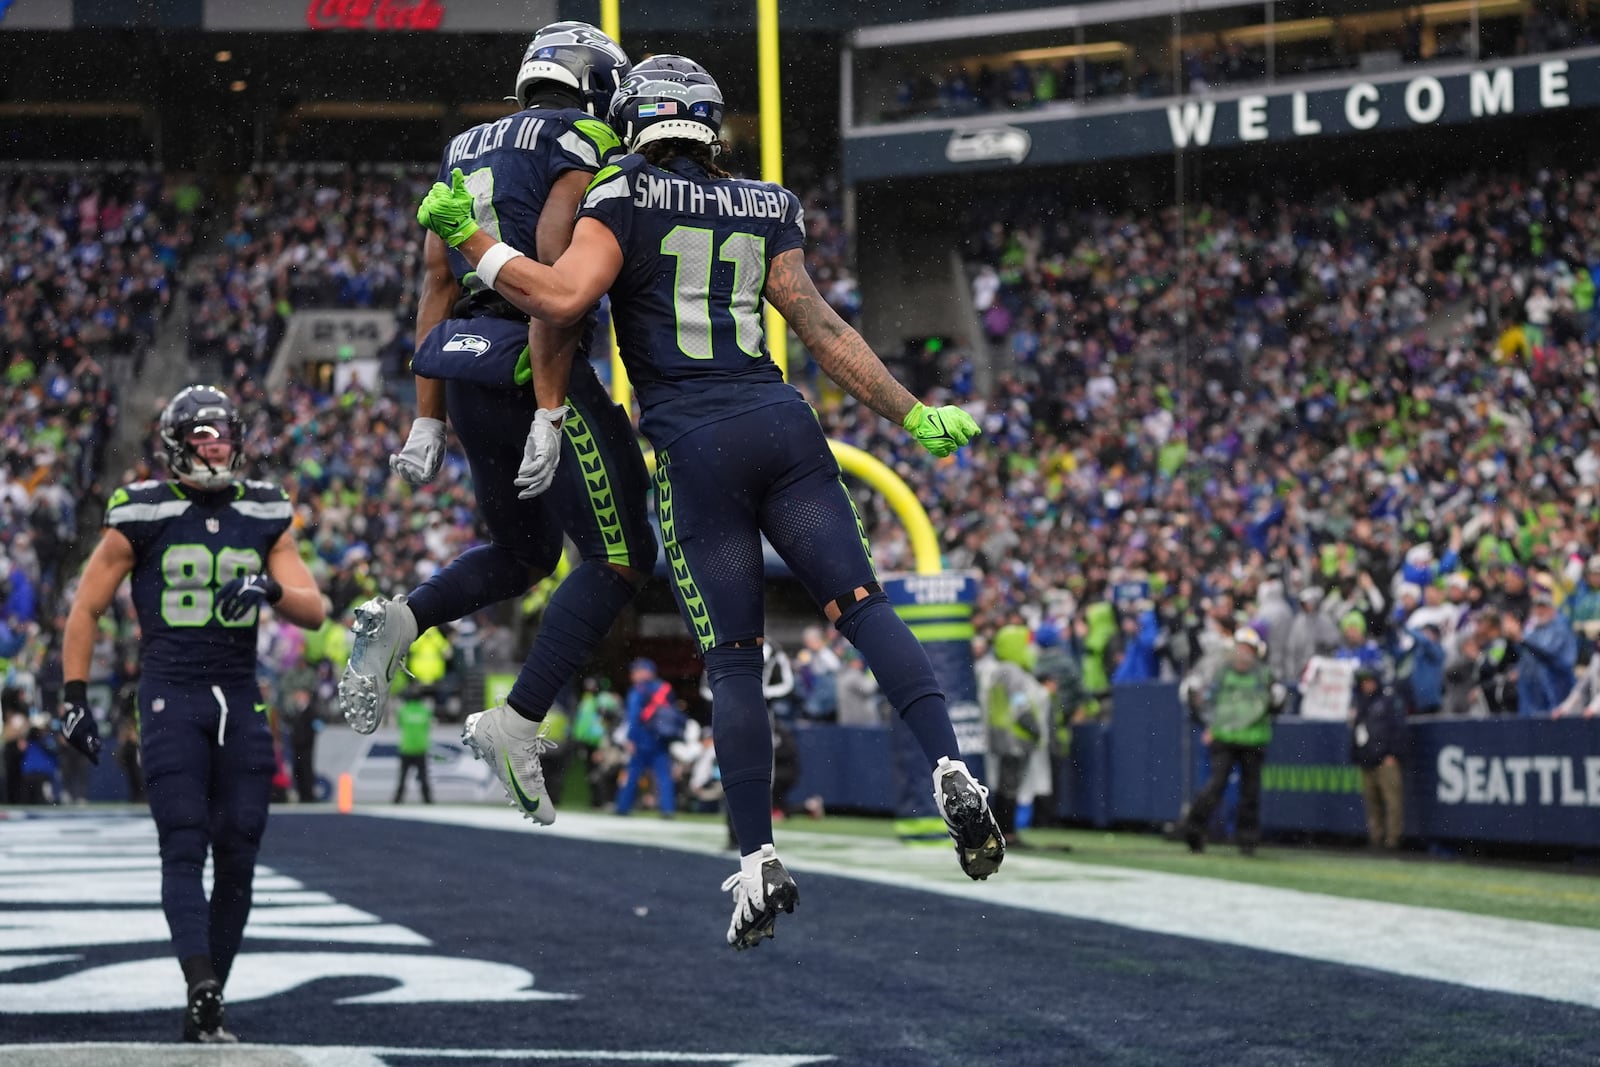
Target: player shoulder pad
x: 254, y: 490
x: 584, y: 137
x: 263, y: 500
x: 613, y: 181
x: 147, y: 501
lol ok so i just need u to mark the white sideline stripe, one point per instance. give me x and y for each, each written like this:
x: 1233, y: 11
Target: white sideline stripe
x: 1512, y: 956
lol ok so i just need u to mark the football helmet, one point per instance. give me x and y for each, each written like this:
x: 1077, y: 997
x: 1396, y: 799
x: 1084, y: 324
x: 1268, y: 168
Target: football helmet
x: 667, y: 97
x: 577, y: 55
x: 197, y: 415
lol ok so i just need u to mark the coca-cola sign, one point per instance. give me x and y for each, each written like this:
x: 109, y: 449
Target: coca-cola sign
x: 374, y: 14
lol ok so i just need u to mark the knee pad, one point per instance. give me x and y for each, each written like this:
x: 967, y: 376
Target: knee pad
x: 725, y: 662
x: 184, y: 844
x: 540, y: 554
x: 851, y: 618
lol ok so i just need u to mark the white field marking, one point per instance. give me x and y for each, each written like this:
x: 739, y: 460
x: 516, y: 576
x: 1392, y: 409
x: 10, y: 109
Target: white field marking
x: 147, y: 985
x: 376, y: 1056
x: 1477, y: 951
x: 33, y: 930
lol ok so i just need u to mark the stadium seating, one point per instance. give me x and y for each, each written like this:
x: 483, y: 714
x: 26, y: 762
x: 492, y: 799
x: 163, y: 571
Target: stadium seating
x: 1147, y: 63
x: 1183, y: 441
x: 88, y: 265
x: 1362, y: 377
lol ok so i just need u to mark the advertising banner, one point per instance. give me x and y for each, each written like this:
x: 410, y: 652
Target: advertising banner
x: 379, y: 16
x: 938, y: 608
x: 1067, y: 135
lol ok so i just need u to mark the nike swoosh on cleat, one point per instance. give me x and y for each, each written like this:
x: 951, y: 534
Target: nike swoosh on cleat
x: 529, y: 804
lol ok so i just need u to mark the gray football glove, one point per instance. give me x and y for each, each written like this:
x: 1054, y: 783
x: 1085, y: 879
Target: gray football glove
x: 541, y: 453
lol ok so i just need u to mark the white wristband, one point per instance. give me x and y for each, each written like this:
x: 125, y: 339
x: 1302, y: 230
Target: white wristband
x: 491, y: 262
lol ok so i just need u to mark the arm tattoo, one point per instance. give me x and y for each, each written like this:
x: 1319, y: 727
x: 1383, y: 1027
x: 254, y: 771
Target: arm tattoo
x: 833, y: 344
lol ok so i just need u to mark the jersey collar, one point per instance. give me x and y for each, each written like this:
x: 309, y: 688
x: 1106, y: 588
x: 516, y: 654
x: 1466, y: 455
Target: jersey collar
x: 688, y: 168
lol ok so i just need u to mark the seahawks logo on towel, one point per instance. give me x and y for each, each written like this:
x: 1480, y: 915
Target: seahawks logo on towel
x: 467, y: 342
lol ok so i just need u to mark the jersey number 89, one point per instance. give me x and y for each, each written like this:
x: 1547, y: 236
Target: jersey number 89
x: 189, y: 571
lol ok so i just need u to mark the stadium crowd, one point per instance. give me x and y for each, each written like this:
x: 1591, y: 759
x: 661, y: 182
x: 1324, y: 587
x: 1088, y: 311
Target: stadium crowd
x: 305, y: 238
x: 1365, y: 426
x: 1382, y: 424
x: 1224, y: 61
x: 88, y: 268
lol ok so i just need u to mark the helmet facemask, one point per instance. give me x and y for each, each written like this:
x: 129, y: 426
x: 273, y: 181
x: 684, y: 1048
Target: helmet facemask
x: 203, y: 438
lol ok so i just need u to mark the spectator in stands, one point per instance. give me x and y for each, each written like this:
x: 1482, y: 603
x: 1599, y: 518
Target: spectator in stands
x: 1581, y: 608
x: 1311, y: 633
x: 859, y: 702
x: 1378, y: 746
x: 1427, y: 669
x: 1356, y: 645
x: 1238, y: 710
x: 817, y: 676
x: 1462, y: 694
x: 1017, y: 712
x: 1548, y: 653
x: 599, y: 712
x: 1142, y: 635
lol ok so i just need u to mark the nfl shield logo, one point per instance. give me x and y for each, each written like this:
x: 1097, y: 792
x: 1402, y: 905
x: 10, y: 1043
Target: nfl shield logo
x: 213, y: 525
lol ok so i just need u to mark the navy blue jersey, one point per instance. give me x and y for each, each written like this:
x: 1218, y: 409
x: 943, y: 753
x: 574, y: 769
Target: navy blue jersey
x: 188, y: 544
x: 511, y: 165
x: 688, y: 303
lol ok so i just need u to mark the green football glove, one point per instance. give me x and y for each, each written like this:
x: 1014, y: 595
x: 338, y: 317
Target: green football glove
x: 940, y: 430
x: 449, y: 210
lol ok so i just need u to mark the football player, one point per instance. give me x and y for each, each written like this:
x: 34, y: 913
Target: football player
x: 688, y: 254
x: 205, y: 551
x: 526, y: 174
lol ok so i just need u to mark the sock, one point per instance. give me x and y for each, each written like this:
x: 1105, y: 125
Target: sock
x: 750, y: 863
x: 473, y: 580
x: 904, y: 673
x: 743, y: 737
x: 580, y: 612
x: 197, y: 969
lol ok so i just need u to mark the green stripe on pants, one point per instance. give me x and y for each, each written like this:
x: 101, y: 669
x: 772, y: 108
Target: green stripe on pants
x: 597, y: 479
x: 861, y: 529
x: 699, y: 618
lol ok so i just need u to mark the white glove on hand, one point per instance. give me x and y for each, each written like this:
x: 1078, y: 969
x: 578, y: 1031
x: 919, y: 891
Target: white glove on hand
x: 419, y: 461
x: 541, y: 453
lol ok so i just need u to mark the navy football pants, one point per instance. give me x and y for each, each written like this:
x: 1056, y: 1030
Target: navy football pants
x: 720, y: 487
x: 597, y: 498
x: 208, y: 775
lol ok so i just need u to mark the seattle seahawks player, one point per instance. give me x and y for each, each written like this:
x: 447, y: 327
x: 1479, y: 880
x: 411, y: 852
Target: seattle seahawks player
x: 205, y: 552
x: 687, y: 254
x: 525, y: 174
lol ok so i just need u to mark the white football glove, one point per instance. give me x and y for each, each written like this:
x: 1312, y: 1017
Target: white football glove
x: 419, y: 461
x: 541, y: 453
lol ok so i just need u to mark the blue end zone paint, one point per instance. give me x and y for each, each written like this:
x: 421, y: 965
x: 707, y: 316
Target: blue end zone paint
x: 869, y: 974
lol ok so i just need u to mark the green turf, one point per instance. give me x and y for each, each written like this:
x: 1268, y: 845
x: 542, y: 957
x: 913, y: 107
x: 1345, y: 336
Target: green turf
x: 1554, y: 895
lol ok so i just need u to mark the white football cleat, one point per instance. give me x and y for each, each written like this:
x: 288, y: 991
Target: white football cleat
x: 965, y: 807
x: 760, y: 890
x: 384, y: 631
x: 511, y: 746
